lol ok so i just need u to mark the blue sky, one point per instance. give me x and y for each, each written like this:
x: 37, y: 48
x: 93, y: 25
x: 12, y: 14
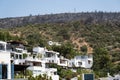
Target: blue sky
x: 16, y: 8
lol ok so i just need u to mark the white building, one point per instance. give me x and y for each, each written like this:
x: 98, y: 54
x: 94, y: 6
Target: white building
x: 50, y: 56
x: 38, y: 62
x: 109, y: 77
x: 84, y: 61
x: 6, y: 68
x: 38, y: 67
x: 45, y: 55
x: 35, y: 62
x: 39, y: 51
x: 63, y: 62
x: 11, y: 60
x: 40, y: 70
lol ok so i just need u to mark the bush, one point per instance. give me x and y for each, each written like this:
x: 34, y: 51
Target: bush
x: 40, y: 77
x: 84, y: 49
x: 24, y: 55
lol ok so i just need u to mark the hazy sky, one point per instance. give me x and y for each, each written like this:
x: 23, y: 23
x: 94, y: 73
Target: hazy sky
x: 13, y: 8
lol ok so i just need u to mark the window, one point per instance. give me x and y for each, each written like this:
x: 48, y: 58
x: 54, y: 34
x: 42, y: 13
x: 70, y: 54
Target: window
x: 49, y: 54
x: 83, y: 57
x: 55, y: 73
x: 89, y: 61
x: 12, y: 55
x: 16, y: 56
x: 2, y: 47
x: 3, y: 71
x: 72, y: 63
x: 52, y: 61
x: 19, y: 51
x: 79, y: 63
x: 20, y: 56
x: 9, y: 47
x: 62, y: 61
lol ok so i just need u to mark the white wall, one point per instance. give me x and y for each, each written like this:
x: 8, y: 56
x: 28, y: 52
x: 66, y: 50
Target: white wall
x: 5, y: 59
x: 39, y: 50
x: 36, y: 70
x: 74, y: 62
x: 55, y: 77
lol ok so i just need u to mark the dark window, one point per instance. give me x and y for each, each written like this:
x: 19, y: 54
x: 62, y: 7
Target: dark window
x: 9, y: 47
x: 16, y: 56
x: 89, y: 61
x: 12, y: 55
x: 4, y: 71
x: 2, y: 47
x: 55, y: 73
x: 20, y: 56
x: 79, y: 63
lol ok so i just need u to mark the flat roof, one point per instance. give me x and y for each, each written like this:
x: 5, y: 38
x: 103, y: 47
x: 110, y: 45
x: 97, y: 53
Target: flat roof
x: 52, y: 52
x: 3, y: 42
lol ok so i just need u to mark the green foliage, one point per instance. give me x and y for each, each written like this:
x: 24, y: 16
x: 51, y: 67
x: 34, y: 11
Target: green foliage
x: 79, y: 70
x: 40, y: 77
x: 23, y: 74
x: 64, y: 73
x: 102, y: 62
x: 5, y: 36
x: 67, y: 50
x: 98, y: 35
x: 84, y: 49
x: 76, y: 25
x: 35, y: 39
x: 67, y: 74
x: 115, y: 56
x: 24, y: 55
x: 28, y: 73
x: 64, y: 33
x: 97, y: 31
x: 115, y: 69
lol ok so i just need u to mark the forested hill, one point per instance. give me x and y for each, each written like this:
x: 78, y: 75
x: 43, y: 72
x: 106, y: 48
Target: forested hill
x: 79, y: 34
x: 86, y: 18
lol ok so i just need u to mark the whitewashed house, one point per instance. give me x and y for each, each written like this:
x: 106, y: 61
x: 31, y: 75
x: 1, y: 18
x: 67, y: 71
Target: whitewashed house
x: 63, y: 62
x: 6, y: 67
x: 38, y: 62
x: 16, y: 58
x: 109, y: 77
x: 45, y: 55
x: 39, y: 51
x: 50, y: 56
x: 84, y: 61
x: 38, y: 67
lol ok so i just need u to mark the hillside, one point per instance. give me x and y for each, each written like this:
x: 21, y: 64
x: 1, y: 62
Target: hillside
x: 79, y: 33
x: 85, y: 17
x: 97, y: 29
